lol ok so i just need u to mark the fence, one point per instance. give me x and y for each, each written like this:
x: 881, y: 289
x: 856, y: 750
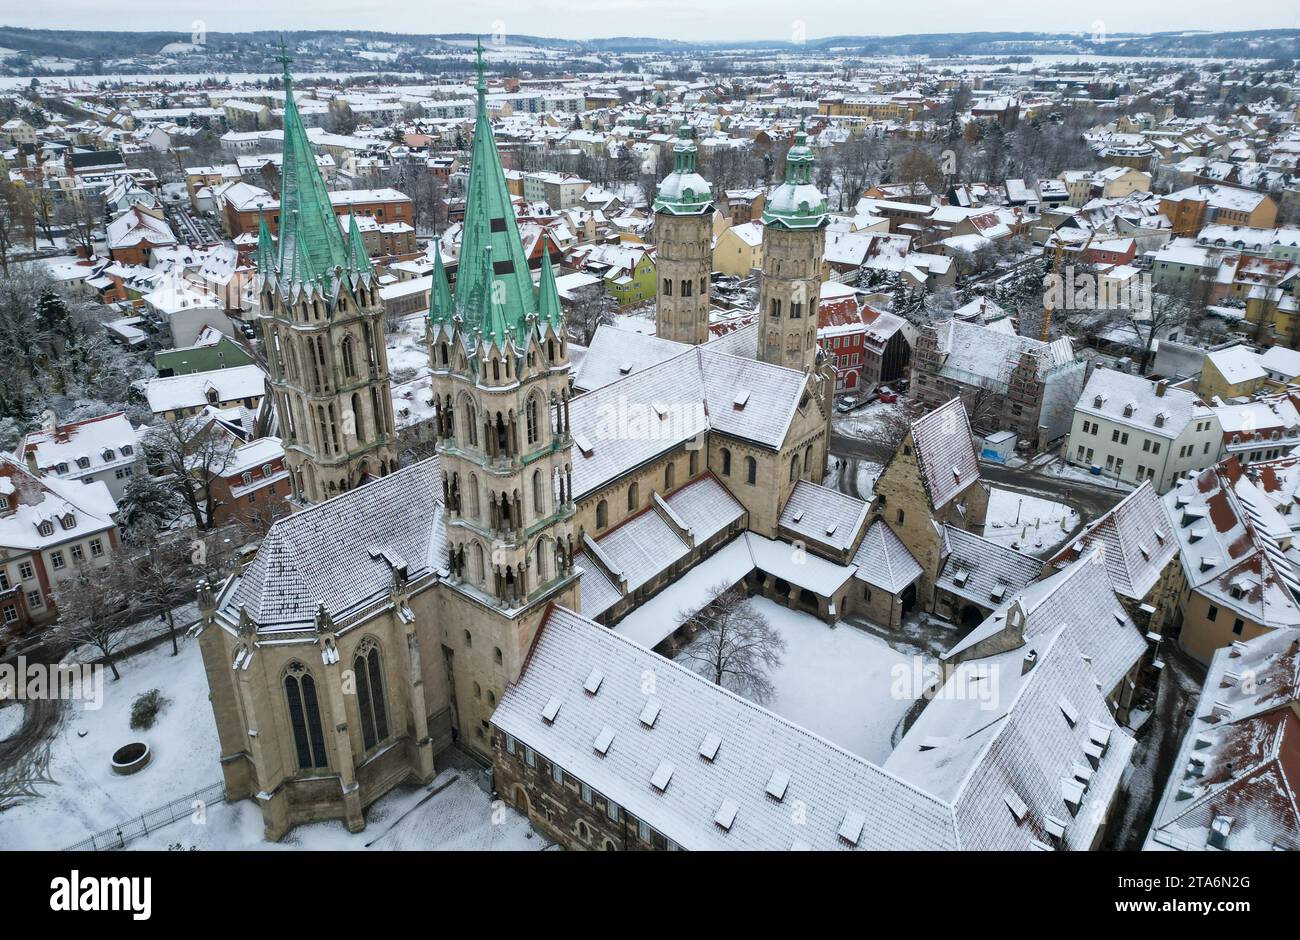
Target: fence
x: 116, y: 837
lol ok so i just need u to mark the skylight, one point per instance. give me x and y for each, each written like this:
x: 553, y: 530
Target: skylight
x: 709, y: 746
x: 777, y: 783
x: 650, y: 712
x: 552, y: 709
x: 604, y: 740
x: 662, y: 775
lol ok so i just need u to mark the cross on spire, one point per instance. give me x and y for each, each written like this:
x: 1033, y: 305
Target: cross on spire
x: 480, y: 66
x: 284, y: 59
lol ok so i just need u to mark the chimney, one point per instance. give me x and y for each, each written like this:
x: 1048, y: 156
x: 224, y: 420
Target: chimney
x: 1031, y: 658
x: 1160, y: 388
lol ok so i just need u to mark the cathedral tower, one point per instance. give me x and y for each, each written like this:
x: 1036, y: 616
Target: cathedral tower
x: 322, y: 325
x: 501, y: 391
x: 684, y: 239
x: 794, y: 237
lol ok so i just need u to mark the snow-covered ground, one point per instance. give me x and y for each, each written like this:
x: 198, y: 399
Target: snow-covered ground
x: 867, y: 421
x: 458, y: 818
x: 407, y: 352
x: 1028, y: 524
x: 85, y: 796
x: 836, y: 682
x: 1057, y: 467
x: 11, y: 719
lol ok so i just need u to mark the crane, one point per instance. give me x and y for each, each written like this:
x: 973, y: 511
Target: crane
x: 1044, y: 334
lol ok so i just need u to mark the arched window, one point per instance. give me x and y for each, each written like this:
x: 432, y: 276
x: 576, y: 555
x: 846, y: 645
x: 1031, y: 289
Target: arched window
x: 602, y: 514
x: 670, y: 473
x: 686, y: 288
x: 349, y: 357
x: 668, y: 287
x: 304, y: 717
x: 633, y: 497
x: 695, y: 462
x: 794, y: 467
x: 533, y: 433
x: 726, y: 462
x: 774, y: 307
x: 369, y: 676
x: 751, y: 471
x: 539, y: 498
x: 473, y: 497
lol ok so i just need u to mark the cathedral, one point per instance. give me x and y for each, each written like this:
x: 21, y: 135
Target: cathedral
x: 389, y: 617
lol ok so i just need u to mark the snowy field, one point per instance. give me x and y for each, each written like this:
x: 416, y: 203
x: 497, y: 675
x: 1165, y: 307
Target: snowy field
x: 86, y: 797
x: 1028, y: 523
x: 11, y: 719
x: 407, y: 352
x: 836, y: 682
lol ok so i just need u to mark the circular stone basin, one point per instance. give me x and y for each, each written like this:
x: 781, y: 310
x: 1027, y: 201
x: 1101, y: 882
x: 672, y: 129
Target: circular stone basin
x: 131, y: 758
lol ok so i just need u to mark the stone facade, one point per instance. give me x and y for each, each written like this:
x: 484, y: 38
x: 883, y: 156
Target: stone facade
x: 788, y: 295
x: 684, y: 260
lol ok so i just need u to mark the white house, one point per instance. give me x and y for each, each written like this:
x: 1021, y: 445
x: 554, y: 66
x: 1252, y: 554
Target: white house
x: 1140, y: 430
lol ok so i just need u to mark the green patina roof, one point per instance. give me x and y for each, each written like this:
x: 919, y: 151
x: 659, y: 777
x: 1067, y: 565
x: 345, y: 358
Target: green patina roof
x: 684, y: 191
x: 312, y: 250
x: 494, y: 294
x: 797, y: 203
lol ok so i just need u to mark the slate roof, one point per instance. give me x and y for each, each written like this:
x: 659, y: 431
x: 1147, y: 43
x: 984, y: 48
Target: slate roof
x: 944, y: 452
x: 999, y: 744
x: 615, y: 354
x: 819, y: 514
x: 975, y: 354
x: 1228, y: 538
x: 993, y: 572
x: 304, y: 557
x: 828, y: 782
x: 1240, y: 758
x: 626, y: 423
x: 883, y: 561
x: 1082, y: 598
x: 1137, y: 540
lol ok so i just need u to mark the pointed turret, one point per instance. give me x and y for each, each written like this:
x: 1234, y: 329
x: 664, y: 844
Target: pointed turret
x: 265, y: 248
x: 313, y: 243
x: 440, y: 302
x: 358, y: 257
x: 490, y: 222
x: 548, y: 295
x: 493, y: 322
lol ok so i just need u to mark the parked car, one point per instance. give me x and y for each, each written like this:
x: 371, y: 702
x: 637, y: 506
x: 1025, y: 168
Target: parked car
x: 888, y: 395
x: 845, y: 405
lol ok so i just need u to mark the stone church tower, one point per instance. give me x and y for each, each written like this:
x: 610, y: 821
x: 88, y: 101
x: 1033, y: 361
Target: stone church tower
x: 684, y: 238
x: 500, y: 385
x: 794, y: 237
x: 322, y: 324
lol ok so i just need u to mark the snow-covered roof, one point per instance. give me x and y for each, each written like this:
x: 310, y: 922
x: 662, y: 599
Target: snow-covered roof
x: 883, y: 561
x: 33, y: 501
x: 361, y: 532
x: 1152, y: 407
x: 945, y: 452
x: 1136, y: 539
x: 829, y: 783
x: 982, y: 571
x: 191, y: 391
x: 824, y: 516
x: 98, y: 441
x: 1238, y: 767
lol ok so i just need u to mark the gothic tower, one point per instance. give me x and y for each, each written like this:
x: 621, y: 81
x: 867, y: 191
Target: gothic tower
x: 794, y: 237
x: 684, y: 238
x: 501, y: 392
x: 322, y: 325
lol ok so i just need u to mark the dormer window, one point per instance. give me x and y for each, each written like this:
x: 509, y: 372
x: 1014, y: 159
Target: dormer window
x: 45, y: 528
x: 266, y: 469
x: 127, y: 450
x: 4, y: 503
x: 83, y: 462
x: 108, y: 455
x: 247, y: 477
x: 62, y: 467
x: 69, y: 521
x: 1096, y: 402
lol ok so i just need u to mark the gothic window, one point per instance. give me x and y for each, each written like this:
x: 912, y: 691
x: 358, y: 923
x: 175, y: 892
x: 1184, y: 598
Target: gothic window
x: 473, y: 497
x: 633, y: 497
x: 369, y: 676
x: 686, y: 288
x: 539, y: 555
x: 496, y: 370
x: 794, y: 467
x: 349, y: 358
x: 695, y: 462
x: 356, y: 417
x: 726, y: 462
x: 304, y: 718
x: 334, y: 429
x: 668, y: 287
x: 377, y: 413
x: 478, y: 571
x: 796, y: 310
x: 442, y: 353
x: 532, y: 420
x: 602, y: 514
x: 670, y: 473
x: 751, y: 471
x: 539, y: 500
x: 774, y: 307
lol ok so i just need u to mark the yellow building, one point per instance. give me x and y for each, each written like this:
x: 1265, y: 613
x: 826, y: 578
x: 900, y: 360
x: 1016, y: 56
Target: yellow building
x: 739, y: 249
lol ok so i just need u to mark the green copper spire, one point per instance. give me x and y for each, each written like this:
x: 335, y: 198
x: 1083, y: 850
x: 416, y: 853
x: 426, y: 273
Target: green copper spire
x: 493, y: 320
x: 311, y: 243
x: 797, y: 203
x: 490, y: 223
x: 548, y: 295
x: 683, y: 191
x: 265, y: 246
x: 358, y: 257
x: 440, y: 303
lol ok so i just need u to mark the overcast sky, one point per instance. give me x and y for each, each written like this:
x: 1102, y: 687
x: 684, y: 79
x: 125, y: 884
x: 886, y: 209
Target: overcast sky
x: 673, y: 19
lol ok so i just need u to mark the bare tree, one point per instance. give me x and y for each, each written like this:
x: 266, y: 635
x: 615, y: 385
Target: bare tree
x: 184, y: 455
x: 736, y: 647
x: 163, y: 575
x: 587, y: 312
x: 94, y: 606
